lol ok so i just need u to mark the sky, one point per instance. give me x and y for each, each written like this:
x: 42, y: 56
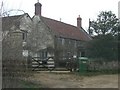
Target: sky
x: 67, y: 10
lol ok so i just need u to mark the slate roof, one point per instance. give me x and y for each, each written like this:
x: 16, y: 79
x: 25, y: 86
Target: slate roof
x: 66, y: 30
x: 7, y: 22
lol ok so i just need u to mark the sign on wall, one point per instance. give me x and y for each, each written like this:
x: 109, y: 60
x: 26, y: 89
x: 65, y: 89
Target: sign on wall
x: 25, y: 53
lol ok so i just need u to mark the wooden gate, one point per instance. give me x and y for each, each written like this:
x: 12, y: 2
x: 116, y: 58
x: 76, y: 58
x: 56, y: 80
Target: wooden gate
x: 43, y: 64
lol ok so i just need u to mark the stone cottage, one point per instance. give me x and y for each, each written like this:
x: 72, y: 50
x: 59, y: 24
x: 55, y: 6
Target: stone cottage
x: 56, y: 38
x: 43, y: 37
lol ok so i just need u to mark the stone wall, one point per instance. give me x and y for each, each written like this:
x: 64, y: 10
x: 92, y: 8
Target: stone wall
x: 41, y: 36
x: 12, y: 46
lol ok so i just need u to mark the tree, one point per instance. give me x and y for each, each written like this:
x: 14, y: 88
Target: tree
x: 105, y: 44
x: 9, y: 12
x: 107, y: 22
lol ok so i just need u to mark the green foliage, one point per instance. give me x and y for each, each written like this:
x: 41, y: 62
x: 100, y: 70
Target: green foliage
x: 28, y: 84
x: 103, y: 46
x: 105, y: 43
x: 9, y: 82
x: 106, y: 22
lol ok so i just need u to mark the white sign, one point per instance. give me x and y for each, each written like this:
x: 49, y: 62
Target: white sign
x: 25, y: 53
x: 74, y: 56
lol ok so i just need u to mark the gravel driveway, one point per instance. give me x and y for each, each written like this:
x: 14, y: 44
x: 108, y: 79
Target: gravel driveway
x: 70, y: 80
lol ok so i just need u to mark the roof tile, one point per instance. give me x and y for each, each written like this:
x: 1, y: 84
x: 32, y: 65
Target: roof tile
x: 66, y: 30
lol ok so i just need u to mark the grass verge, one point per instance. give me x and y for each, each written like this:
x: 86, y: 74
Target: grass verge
x: 17, y: 83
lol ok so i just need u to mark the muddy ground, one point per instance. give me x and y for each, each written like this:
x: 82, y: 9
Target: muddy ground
x: 70, y: 80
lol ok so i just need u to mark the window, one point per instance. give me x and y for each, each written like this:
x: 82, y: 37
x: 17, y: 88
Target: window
x: 43, y: 54
x: 58, y: 40
x: 83, y: 54
x: 75, y: 43
x: 63, y: 41
x: 69, y: 41
x: 24, y: 36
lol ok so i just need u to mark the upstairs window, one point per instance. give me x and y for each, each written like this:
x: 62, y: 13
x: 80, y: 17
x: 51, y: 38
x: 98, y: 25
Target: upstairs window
x: 24, y: 36
x: 63, y: 41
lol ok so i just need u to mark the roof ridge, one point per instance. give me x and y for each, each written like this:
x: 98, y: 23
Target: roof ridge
x: 13, y: 16
x: 60, y: 21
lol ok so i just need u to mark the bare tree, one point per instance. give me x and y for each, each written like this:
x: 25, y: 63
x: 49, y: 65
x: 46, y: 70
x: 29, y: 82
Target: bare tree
x: 1, y: 8
x: 10, y: 12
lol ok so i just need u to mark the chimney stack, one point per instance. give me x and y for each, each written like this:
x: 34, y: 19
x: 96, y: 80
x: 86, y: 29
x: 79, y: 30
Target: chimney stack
x: 38, y: 7
x: 79, y: 22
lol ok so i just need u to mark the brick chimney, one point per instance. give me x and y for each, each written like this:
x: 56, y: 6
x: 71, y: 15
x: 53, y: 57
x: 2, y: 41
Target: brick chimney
x: 38, y: 7
x: 79, y: 22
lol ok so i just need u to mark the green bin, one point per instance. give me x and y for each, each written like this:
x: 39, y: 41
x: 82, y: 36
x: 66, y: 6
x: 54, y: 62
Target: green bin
x: 83, y: 64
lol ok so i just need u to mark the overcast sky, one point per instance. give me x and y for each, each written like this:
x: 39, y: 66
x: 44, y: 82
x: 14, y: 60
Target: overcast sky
x: 67, y: 10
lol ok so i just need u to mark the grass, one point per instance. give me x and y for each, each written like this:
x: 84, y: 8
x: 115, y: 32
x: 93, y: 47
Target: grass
x: 17, y: 83
x: 26, y: 84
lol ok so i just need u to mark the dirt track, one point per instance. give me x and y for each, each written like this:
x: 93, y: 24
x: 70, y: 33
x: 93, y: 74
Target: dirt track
x: 68, y: 80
